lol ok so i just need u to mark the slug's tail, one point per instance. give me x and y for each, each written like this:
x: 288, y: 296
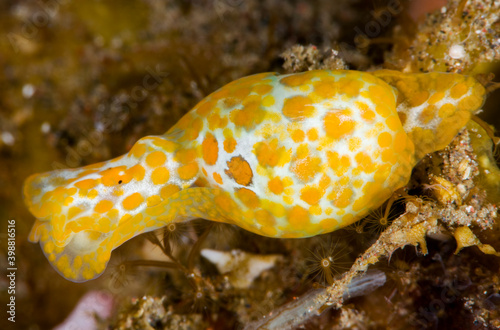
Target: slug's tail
x: 434, y: 107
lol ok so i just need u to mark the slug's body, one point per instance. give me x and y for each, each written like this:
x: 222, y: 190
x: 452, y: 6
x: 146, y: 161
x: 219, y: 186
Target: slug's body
x: 279, y: 155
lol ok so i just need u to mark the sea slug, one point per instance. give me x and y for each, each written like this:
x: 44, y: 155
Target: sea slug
x: 292, y: 155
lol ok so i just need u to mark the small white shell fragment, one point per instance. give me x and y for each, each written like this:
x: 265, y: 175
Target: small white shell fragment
x: 240, y: 267
x: 45, y: 127
x: 457, y: 52
x: 7, y: 138
x: 28, y: 91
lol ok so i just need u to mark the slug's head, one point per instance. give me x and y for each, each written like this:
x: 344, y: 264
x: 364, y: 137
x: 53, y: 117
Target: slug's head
x: 83, y: 214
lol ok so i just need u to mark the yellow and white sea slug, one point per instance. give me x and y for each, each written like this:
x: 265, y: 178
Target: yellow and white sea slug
x: 293, y: 155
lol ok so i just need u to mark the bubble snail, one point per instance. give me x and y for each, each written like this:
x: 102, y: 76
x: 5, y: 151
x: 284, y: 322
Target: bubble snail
x: 284, y: 156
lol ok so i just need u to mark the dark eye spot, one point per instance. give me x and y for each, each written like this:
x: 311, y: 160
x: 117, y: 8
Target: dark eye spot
x: 119, y: 182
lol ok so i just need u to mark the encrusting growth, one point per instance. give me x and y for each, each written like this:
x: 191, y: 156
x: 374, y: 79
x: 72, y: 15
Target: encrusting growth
x: 284, y: 156
x: 381, y: 218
